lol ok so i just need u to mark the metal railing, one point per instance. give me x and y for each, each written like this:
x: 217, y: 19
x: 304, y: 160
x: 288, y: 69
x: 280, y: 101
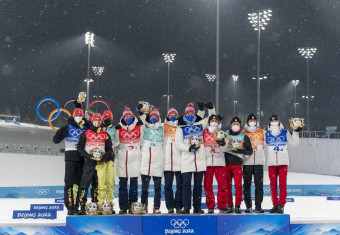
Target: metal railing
x: 320, y: 134
x: 30, y: 149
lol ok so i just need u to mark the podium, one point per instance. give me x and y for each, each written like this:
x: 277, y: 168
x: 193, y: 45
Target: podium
x: 179, y: 224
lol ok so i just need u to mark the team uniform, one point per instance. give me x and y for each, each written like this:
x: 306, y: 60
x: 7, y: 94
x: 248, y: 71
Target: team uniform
x: 128, y: 141
x: 253, y: 166
x: 73, y: 160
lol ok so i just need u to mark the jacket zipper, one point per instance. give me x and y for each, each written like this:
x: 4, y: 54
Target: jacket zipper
x: 126, y: 167
x: 149, y: 161
x: 254, y: 157
x: 172, y: 160
x: 195, y: 162
x: 276, y: 160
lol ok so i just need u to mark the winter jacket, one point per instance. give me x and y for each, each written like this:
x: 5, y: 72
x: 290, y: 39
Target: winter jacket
x: 172, y: 156
x: 95, y: 139
x: 152, y: 148
x: 71, y: 133
x: 276, y: 147
x: 191, y: 161
x: 257, y: 141
x: 214, y: 153
x: 128, y: 141
x: 236, y: 158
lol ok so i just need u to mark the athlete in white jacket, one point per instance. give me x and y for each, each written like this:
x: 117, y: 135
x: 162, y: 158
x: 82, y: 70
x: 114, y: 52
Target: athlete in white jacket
x: 129, y: 133
x: 276, y: 141
x: 189, y: 140
x: 152, y: 158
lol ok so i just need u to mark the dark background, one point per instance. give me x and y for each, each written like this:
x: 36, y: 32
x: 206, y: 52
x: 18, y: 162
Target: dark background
x: 42, y: 53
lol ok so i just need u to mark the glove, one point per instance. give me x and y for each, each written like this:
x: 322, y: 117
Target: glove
x: 220, y: 117
x: 193, y: 148
x: 105, y: 158
x: 76, y: 104
x: 138, y: 108
x: 209, y: 105
x: 298, y: 129
x: 221, y: 142
x: 200, y: 106
x: 239, y: 151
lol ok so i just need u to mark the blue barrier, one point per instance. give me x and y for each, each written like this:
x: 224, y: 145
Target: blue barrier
x: 55, y: 230
x: 58, y: 191
x: 128, y: 224
x: 315, y: 229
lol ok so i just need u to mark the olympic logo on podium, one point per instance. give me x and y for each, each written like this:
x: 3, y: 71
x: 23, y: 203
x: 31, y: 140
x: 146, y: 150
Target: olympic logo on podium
x: 336, y: 189
x: 42, y: 191
x: 179, y: 223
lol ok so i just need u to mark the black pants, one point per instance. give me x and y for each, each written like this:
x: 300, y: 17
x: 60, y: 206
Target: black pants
x: 248, y: 172
x: 197, y: 192
x: 94, y: 187
x: 157, y: 181
x: 125, y: 199
x: 73, y: 172
x: 89, y: 168
x: 170, y: 201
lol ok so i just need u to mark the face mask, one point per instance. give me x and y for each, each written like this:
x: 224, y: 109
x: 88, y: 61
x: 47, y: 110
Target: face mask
x: 78, y: 119
x: 212, y: 129
x: 252, y: 128
x: 252, y: 124
x: 128, y: 121
x: 153, y: 120
x: 235, y: 128
x: 274, y: 124
x: 213, y: 124
x: 96, y: 123
x: 190, y: 118
x: 107, y: 122
x: 274, y: 129
x: 172, y: 118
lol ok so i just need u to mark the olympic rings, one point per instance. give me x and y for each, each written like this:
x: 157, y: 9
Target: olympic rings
x: 51, y: 114
x: 97, y: 101
x: 65, y: 107
x: 47, y: 99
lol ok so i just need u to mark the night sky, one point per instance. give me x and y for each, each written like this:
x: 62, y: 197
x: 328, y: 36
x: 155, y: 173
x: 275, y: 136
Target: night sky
x: 43, y: 54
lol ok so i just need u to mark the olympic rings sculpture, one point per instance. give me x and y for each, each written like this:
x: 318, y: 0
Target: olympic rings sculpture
x: 47, y: 99
x: 51, y: 114
x: 70, y: 101
x: 88, y: 110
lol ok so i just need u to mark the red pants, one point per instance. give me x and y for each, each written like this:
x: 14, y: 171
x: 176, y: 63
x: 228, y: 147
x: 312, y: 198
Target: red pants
x: 236, y: 170
x: 273, y: 172
x: 220, y: 174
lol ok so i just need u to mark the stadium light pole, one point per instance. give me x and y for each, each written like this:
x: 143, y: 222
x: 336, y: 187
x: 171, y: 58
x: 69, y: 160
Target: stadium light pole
x: 89, y: 41
x: 259, y: 20
x: 168, y: 58
x: 295, y: 83
x: 98, y: 71
x: 308, y: 53
x: 217, y: 56
x: 235, y: 78
x: 211, y: 78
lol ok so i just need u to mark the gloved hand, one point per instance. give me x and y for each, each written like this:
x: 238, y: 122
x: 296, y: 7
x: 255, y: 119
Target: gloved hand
x: 238, y: 151
x: 221, y: 142
x: 105, y: 158
x: 138, y: 108
x: 220, y: 117
x: 193, y: 148
x: 200, y: 106
x: 298, y: 129
x: 209, y: 105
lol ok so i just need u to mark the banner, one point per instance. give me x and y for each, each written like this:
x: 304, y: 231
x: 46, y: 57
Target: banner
x: 176, y: 224
x: 315, y: 229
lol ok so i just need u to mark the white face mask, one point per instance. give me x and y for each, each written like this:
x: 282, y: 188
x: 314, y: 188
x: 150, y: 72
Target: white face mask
x: 235, y: 128
x: 251, y: 128
x: 212, y: 129
x: 252, y: 124
x: 78, y: 119
x: 96, y: 123
x: 274, y: 129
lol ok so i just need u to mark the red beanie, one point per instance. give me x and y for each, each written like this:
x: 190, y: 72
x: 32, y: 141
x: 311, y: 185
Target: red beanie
x: 154, y: 112
x: 96, y: 115
x: 108, y: 114
x: 78, y: 111
x: 190, y: 108
x: 172, y: 111
x: 127, y: 111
